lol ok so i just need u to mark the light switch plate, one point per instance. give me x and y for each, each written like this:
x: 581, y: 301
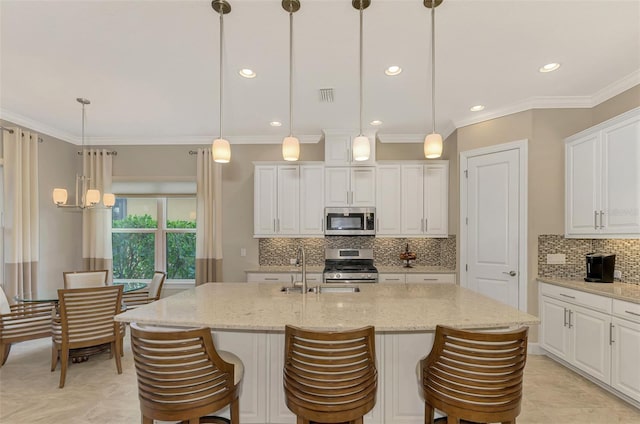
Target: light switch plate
x: 556, y: 258
x: 243, y: 251
x: 617, y: 274
x: 292, y: 261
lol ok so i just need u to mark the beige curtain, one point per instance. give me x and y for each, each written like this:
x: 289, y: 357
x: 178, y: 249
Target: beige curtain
x: 208, y: 219
x: 21, y: 218
x: 96, y: 222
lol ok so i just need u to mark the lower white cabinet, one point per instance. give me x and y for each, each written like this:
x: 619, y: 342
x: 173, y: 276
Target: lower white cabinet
x: 597, y: 335
x: 283, y: 277
x: 411, y: 277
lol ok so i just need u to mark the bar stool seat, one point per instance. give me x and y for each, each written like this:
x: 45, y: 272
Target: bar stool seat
x: 330, y: 377
x: 474, y: 376
x: 182, y: 377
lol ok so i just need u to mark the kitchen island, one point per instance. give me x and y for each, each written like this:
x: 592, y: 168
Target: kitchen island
x: 249, y: 320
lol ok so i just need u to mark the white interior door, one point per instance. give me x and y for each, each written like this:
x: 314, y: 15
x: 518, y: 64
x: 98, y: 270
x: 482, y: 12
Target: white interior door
x: 493, y: 227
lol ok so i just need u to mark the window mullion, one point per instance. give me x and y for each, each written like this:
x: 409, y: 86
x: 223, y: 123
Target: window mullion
x: 161, y: 250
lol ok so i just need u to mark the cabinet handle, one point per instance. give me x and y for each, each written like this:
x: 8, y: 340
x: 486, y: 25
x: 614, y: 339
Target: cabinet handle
x: 595, y: 220
x: 570, y: 313
x: 611, y: 341
x: 601, y: 214
x: 633, y: 313
x: 426, y: 225
x: 322, y: 224
x: 429, y: 279
x: 565, y: 317
x: 422, y: 225
x: 391, y: 279
x: 274, y: 225
x: 377, y: 223
x: 566, y: 295
x: 270, y: 279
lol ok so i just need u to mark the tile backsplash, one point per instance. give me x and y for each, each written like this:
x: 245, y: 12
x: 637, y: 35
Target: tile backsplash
x: 386, y: 251
x: 627, y: 253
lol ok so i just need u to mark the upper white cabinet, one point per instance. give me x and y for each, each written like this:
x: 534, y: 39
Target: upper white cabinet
x: 288, y: 200
x: 338, y: 148
x: 602, y: 178
x: 413, y: 198
x: 350, y: 186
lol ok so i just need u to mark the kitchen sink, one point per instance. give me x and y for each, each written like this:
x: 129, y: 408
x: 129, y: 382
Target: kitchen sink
x: 291, y: 289
x: 334, y: 289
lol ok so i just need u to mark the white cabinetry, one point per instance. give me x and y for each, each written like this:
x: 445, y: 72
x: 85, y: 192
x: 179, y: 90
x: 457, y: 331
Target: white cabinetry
x: 288, y: 200
x: 338, y: 148
x: 602, y: 179
x: 420, y: 198
x: 414, y: 277
x: 350, y: 186
x: 283, y: 277
x: 625, y: 367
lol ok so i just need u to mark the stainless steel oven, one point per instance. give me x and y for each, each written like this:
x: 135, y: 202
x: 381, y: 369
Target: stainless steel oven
x: 349, y: 266
x: 349, y: 221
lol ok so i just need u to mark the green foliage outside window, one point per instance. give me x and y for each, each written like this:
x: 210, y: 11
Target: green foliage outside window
x: 133, y: 253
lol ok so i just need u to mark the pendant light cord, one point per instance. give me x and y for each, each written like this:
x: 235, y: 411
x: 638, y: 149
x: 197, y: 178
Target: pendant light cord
x: 361, y: 14
x: 221, y: 40
x: 83, y: 118
x: 291, y: 70
x: 433, y: 64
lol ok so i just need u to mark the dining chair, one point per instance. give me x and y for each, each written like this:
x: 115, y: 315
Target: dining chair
x: 474, y: 376
x: 182, y: 376
x: 22, y: 321
x: 84, y: 279
x: 86, y: 320
x: 330, y: 377
x: 151, y: 293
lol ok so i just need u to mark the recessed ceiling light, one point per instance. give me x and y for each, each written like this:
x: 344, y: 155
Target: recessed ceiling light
x: 376, y: 122
x: 549, y: 67
x: 393, y: 70
x: 247, y: 73
x: 476, y: 108
x: 275, y: 123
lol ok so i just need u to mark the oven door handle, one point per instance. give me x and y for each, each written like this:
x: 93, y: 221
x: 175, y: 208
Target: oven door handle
x: 349, y: 281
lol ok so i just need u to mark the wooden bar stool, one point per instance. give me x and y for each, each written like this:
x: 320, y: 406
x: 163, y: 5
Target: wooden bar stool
x: 330, y: 377
x: 181, y: 375
x: 474, y: 376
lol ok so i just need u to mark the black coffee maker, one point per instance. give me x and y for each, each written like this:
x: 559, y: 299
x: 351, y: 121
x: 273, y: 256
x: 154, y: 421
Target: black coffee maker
x: 600, y: 267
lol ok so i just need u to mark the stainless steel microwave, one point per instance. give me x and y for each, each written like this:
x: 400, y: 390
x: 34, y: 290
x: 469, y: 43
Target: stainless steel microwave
x: 349, y: 221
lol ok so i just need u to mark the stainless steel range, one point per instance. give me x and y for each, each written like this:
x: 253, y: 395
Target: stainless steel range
x: 349, y: 266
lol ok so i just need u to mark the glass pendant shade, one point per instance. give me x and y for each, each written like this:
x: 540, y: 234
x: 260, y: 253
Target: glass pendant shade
x: 109, y: 199
x: 92, y: 197
x: 221, y: 150
x: 433, y: 146
x: 361, y: 148
x: 59, y: 196
x: 290, y: 148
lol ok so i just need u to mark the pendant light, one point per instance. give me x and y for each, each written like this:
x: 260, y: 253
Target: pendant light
x: 290, y: 144
x: 361, y: 147
x: 433, y: 141
x: 221, y: 151
x: 86, y: 198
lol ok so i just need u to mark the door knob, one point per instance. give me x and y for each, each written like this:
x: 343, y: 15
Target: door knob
x: 511, y: 273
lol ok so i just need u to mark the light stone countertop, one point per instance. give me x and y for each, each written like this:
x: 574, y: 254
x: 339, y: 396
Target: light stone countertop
x: 390, y: 308
x: 616, y: 290
x: 417, y: 269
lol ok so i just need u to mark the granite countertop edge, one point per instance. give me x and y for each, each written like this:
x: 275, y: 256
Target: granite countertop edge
x: 629, y: 292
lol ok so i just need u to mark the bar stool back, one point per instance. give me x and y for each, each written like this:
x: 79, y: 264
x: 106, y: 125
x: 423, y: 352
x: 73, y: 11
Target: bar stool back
x: 330, y: 377
x: 181, y: 376
x: 475, y: 376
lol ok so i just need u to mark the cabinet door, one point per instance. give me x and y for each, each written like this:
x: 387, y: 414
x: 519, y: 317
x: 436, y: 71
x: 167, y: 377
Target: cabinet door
x: 436, y: 199
x: 554, y: 336
x: 625, y: 367
x: 590, y: 335
x: 391, y: 278
x: 582, y: 185
x: 311, y: 199
x: 336, y: 184
x: 620, y: 206
x: 265, y: 199
x: 288, y: 220
x: 270, y: 277
x: 430, y: 278
x: 388, y: 197
x: 412, y: 190
x: 363, y: 186
x: 278, y: 411
x: 337, y: 149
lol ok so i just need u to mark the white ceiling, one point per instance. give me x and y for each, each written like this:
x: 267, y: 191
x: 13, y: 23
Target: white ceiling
x: 150, y: 68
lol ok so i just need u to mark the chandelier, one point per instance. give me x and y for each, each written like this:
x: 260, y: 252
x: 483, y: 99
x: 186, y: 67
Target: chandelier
x: 86, y: 198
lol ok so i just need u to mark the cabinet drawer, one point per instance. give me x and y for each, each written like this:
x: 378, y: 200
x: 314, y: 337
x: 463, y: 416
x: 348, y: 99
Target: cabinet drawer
x: 315, y: 277
x: 626, y: 310
x: 577, y: 297
x: 431, y: 278
x: 269, y: 277
x: 391, y: 278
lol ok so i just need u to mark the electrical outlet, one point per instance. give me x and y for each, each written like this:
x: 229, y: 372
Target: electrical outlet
x: 556, y: 258
x: 617, y: 274
x: 243, y: 251
x: 292, y: 261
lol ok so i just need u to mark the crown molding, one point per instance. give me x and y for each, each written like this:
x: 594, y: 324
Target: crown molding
x: 616, y: 88
x: 414, y: 138
x: 195, y: 140
x: 38, y: 126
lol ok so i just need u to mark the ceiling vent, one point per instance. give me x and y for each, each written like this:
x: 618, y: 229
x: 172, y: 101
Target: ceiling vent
x: 326, y: 95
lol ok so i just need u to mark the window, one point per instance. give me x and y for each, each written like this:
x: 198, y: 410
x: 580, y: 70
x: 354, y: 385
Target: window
x: 1, y: 223
x: 154, y: 234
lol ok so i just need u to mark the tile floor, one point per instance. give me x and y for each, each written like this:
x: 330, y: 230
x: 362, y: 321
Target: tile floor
x: 95, y: 393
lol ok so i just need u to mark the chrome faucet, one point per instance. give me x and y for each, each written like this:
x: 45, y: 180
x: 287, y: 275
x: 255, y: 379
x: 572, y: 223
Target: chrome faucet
x: 301, y: 260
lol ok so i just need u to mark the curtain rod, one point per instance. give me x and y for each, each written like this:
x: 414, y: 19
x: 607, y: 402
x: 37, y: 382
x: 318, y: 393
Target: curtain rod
x: 40, y: 140
x: 109, y: 153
